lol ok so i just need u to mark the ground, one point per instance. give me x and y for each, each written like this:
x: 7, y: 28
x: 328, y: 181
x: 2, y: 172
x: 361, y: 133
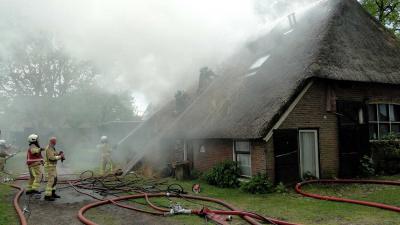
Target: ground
x: 287, y: 206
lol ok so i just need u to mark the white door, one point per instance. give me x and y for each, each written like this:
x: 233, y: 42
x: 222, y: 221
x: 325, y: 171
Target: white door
x: 309, y: 157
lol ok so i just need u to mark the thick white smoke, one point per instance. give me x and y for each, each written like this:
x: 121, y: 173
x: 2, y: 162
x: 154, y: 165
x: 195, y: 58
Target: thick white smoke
x: 149, y: 46
x: 153, y: 46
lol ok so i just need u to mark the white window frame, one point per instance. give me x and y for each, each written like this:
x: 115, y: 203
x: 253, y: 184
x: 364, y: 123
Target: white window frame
x: 378, y: 122
x: 315, y: 131
x: 238, y: 153
x: 185, y: 158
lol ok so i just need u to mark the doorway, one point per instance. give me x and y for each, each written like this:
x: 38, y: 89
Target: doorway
x: 286, y: 155
x: 353, y: 136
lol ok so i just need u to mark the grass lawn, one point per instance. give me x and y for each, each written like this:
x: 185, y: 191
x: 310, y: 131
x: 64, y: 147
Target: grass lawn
x: 288, y: 206
x: 295, y: 208
x: 7, y: 212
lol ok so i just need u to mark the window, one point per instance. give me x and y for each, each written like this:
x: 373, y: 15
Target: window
x: 383, y: 119
x: 243, y: 156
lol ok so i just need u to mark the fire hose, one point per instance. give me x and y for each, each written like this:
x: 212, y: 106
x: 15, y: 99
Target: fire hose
x: 249, y: 217
x: 215, y: 215
x: 348, y: 181
x: 212, y: 214
x: 18, y: 209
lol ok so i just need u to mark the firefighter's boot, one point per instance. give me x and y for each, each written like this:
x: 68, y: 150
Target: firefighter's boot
x: 48, y: 198
x: 54, y: 195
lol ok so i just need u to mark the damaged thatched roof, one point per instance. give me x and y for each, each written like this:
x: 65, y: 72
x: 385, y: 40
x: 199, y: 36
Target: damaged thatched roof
x: 335, y: 40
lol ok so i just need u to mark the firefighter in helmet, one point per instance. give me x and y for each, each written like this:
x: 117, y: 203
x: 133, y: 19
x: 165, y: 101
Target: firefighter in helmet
x: 105, y: 150
x: 50, y: 167
x: 34, y: 160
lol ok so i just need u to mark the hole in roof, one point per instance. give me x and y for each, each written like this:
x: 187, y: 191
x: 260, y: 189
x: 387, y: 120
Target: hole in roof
x: 259, y: 62
x: 288, y: 32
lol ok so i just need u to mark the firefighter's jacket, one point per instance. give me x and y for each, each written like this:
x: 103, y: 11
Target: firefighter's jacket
x: 105, y: 151
x: 34, y: 156
x: 51, y: 156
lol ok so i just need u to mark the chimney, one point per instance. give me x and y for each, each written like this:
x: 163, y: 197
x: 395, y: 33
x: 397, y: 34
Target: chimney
x: 205, y: 78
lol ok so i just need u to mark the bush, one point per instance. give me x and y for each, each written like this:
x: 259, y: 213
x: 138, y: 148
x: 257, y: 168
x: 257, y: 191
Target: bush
x: 386, y: 156
x: 309, y: 176
x: 367, y: 166
x: 281, y: 188
x: 258, y: 184
x: 195, y: 174
x: 224, y: 174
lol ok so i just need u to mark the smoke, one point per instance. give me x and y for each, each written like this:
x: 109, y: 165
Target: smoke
x: 149, y: 47
x: 154, y: 47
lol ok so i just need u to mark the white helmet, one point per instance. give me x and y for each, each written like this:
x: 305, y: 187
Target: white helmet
x: 103, y: 139
x: 33, y: 138
x: 2, y: 142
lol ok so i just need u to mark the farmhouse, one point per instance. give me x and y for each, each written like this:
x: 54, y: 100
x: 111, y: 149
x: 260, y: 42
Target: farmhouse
x: 304, y: 99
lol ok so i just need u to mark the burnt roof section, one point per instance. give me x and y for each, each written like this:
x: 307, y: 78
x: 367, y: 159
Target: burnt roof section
x: 334, y: 40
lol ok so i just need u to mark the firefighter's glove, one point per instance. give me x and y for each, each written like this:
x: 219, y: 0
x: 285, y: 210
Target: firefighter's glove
x: 62, y: 156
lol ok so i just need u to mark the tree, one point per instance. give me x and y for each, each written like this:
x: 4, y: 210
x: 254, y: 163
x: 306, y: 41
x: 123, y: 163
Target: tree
x: 41, y: 68
x: 41, y: 85
x: 94, y: 106
x: 386, y: 12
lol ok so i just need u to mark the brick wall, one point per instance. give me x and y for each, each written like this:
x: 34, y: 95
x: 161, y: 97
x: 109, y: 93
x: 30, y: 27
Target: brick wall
x: 258, y: 160
x: 310, y: 112
x: 219, y: 150
x: 215, y: 151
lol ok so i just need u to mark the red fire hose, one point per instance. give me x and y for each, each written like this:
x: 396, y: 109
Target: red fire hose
x: 246, y: 215
x: 17, y: 196
x: 331, y: 198
x: 234, y: 212
x: 251, y: 218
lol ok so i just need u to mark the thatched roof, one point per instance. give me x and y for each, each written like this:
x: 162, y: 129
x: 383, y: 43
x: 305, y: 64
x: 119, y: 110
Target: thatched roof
x: 334, y: 40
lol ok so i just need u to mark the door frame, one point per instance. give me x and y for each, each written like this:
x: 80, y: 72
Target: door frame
x: 317, y: 152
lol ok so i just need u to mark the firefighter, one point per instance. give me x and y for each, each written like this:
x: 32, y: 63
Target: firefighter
x: 34, y: 160
x: 105, y: 149
x: 50, y: 167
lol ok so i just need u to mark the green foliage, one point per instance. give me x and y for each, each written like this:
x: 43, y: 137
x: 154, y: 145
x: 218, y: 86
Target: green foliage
x: 43, y: 86
x: 385, y: 11
x: 39, y: 67
x: 258, y: 184
x: 309, y: 176
x: 195, y: 174
x: 225, y: 174
x: 391, y: 136
x: 7, y: 215
x: 367, y: 166
x: 386, y: 156
x: 281, y: 188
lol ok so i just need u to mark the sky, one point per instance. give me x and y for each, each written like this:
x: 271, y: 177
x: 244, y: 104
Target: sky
x: 151, y: 47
